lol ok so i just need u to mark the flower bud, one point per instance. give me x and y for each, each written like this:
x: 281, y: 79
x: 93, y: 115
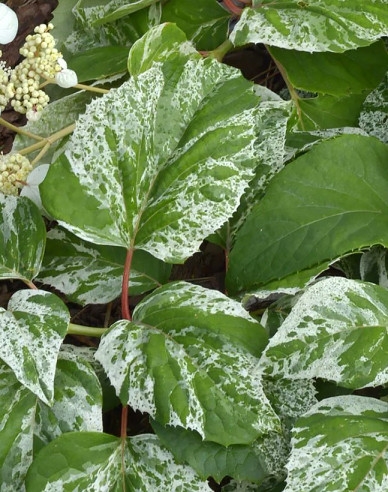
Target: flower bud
x: 8, y: 24
x: 66, y: 78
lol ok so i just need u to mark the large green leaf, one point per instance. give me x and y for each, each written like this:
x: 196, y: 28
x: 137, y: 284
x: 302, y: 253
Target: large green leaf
x: 314, y: 25
x: 22, y: 238
x: 338, y: 74
x: 98, y: 63
x: 26, y: 423
x: 205, y: 22
x: 256, y: 462
x: 336, y: 331
x: 326, y: 203
x: 189, y: 358
x: 341, y: 444
x: 92, y: 274
x: 159, y: 44
x: 94, y: 462
x: 326, y: 112
x: 159, y: 163
x: 31, y: 333
x: 374, y: 114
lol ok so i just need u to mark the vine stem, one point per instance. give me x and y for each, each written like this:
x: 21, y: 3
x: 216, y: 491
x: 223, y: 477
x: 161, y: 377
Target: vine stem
x: 221, y: 51
x: 19, y: 130
x: 290, y: 87
x: 78, y: 86
x: 30, y: 284
x: 126, y: 314
x: 88, y: 331
x: 48, y: 140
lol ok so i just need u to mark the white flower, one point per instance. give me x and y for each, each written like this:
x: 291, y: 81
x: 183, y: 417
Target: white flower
x: 62, y: 63
x: 66, y: 78
x: 31, y: 190
x: 8, y: 24
x: 33, y: 115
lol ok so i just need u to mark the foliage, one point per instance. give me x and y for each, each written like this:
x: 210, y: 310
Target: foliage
x: 164, y: 147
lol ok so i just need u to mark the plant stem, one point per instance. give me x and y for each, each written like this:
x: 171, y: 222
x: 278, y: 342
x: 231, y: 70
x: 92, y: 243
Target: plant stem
x: 221, y: 51
x: 30, y: 284
x: 125, y: 311
x: 126, y: 314
x: 48, y: 140
x: 41, y: 154
x: 19, y: 130
x: 91, y: 89
x: 290, y: 87
x: 87, y: 331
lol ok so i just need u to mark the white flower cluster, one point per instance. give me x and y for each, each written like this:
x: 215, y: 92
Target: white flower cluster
x: 42, y: 62
x: 14, y: 169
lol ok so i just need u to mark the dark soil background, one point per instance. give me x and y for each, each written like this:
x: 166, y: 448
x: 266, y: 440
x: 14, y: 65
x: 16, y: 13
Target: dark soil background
x: 206, y: 268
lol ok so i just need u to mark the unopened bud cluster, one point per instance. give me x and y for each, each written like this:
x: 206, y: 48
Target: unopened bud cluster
x: 21, y: 85
x: 14, y: 169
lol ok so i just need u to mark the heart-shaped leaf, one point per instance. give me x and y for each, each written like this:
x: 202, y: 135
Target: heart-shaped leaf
x: 92, y: 274
x: 313, y: 25
x: 336, y: 331
x: 341, y: 444
x: 189, y: 358
x: 159, y: 163
x: 326, y: 203
x: 31, y: 333
x: 22, y: 238
x: 94, y: 462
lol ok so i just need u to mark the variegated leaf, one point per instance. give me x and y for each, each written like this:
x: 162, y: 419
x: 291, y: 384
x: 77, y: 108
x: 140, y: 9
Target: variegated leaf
x: 92, y: 274
x: 336, y: 331
x: 259, y: 462
x: 374, y: 114
x: 22, y: 238
x: 341, y: 444
x: 26, y: 423
x: 31, y: 333
x: 374, y: 266
x: 94, y: 462
x: 313, y: 25
x: 159, y: 44
x: 159, y: 163
x: 189, y: 358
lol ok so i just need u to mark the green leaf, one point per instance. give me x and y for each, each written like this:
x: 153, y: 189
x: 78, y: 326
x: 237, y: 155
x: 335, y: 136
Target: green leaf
x: 374, y: 114
x: 326, y: 112
x: 92, y: 274
x: 255, y: 462
x: 189, y: 358
x: 159, y: 163
x: 64, y: 21
x: 326, y: 203
x: 341, y: 444
x: 77, y: 399
x: 338, y: 74
x: 26, y: 423
x: 98, y: 63
x: 93, y: 461
x: 22, y: 238
x: 103, y: 12
x: 159, y: 44
x: 31, y: 333
x: 205, y: 22
x: 313, y: 25
x: 336, y: 331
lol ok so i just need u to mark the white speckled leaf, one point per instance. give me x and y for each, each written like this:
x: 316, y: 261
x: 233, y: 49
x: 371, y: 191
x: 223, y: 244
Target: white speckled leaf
x: 313, y: 25
x: 93, y: 462
x: 189, y: 358
x: 159, y: 44
x: 22, y: 238
x: 374, y: 114
x: 26, y: 423
x: 340, y: 444
x: 92, y: 274
x: 77, y: 398
x: 159, y: 163
x: 336, y: 331
x: 31, y: 333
